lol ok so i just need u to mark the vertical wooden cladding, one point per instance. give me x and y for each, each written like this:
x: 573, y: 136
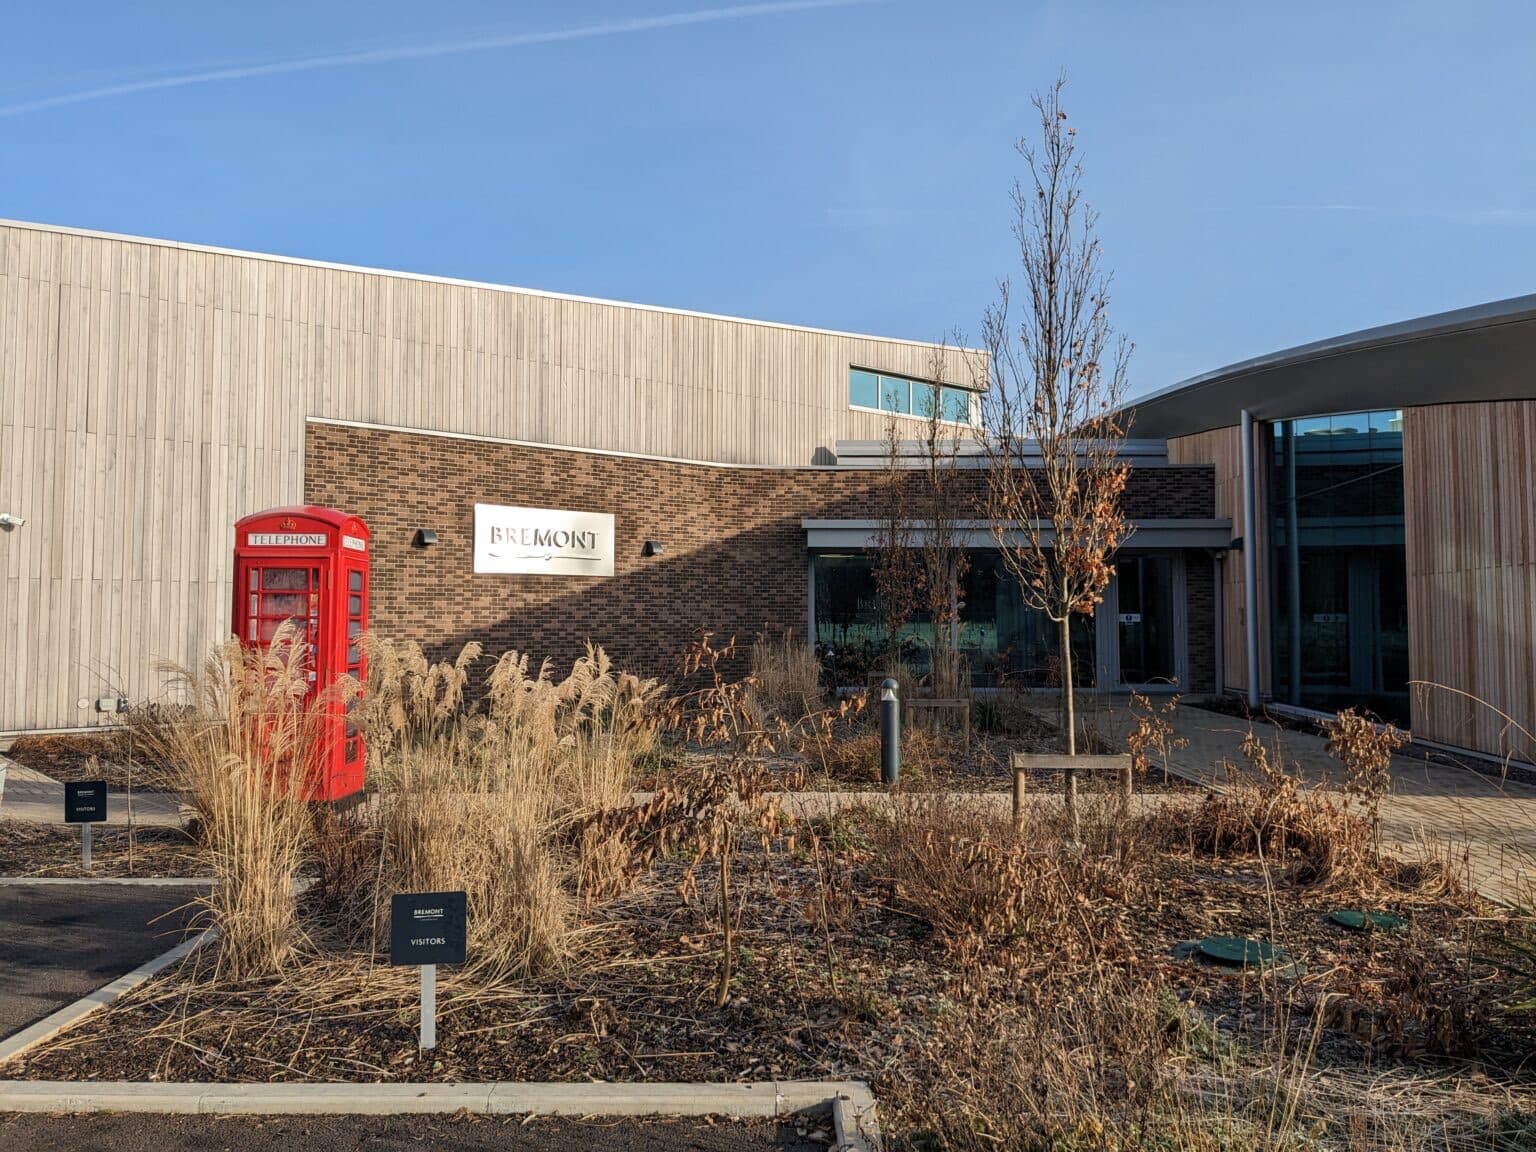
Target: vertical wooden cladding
x: 151, y: 394
x: 1470, y: 496
x: 1223, y: 448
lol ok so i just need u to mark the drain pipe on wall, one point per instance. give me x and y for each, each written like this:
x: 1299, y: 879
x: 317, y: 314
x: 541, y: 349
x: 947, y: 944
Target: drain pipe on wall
x: 1250, y: 559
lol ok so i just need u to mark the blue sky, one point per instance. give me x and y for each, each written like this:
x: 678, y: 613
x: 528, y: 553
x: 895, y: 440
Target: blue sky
x: 1265, y: 174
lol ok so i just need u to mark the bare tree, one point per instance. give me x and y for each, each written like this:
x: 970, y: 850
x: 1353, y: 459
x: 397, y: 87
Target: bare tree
x: 895, y: 569
x: 940, y: 505
x: 1053, y: 419
x: 921, y: 559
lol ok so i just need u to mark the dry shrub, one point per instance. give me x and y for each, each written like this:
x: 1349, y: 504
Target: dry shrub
x: 1063, y: 1064
x: 487, y: 797
x: 992, y: 896
x: 1426, y: 997
x: 1269, y: 813
x: 786, y: 680
x: 242, y: 753
x: 1366, y: 753
x: 851, y: 754
x: 1152, y: 733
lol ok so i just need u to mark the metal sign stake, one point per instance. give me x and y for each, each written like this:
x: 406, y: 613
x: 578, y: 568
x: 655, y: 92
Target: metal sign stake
x: 428, y: 1007
x: 85, y: 847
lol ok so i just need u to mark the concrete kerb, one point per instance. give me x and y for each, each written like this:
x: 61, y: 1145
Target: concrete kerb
x: 111, y: 881
x: 853, y: 1105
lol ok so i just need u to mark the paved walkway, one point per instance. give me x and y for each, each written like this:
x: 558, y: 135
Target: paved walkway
x: 1487, y: 825
x: 30, y: 795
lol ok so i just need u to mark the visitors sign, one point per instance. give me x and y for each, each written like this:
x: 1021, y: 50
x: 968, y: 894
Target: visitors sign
x: 85, y: 802
x: 428, y: 929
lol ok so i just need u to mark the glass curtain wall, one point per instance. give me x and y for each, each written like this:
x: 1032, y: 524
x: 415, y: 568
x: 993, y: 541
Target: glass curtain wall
x: 1337, y: 571
x: 997, y: 634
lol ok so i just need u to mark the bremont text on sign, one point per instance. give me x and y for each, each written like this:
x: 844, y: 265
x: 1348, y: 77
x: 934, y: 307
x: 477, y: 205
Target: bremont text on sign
x: 543, y: 541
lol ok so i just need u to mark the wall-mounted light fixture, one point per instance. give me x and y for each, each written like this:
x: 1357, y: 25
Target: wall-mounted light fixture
x: 8, y: 521
x: 424, y: 538
x: 652, y: 548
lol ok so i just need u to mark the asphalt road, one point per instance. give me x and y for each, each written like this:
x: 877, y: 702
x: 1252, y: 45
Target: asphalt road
x: 156, y: 1133
x: 59, y: 942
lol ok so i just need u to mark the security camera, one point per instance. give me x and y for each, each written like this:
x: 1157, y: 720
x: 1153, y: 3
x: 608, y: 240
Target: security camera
x: 9, y: 521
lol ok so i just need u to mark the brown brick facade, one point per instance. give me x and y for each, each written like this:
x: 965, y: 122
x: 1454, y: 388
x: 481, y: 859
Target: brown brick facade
x: 734, y: 560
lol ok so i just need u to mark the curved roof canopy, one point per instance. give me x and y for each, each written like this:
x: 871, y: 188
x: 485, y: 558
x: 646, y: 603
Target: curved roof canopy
x: 1487, y: 352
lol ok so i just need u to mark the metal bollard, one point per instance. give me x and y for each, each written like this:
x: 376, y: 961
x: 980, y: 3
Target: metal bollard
x: 890, y: 732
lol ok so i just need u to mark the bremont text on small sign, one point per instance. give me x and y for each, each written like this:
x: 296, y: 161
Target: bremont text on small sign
x: 542, y: 541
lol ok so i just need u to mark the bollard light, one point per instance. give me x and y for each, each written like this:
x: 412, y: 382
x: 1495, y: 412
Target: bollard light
x: 890, y: 732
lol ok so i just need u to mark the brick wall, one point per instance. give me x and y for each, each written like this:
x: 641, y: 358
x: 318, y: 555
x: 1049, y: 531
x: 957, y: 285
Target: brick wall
x: 734, y: 559
x: 1200, y: 612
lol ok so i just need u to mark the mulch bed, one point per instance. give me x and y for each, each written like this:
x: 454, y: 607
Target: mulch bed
x: 39, y: 850
x: 108, y: 755
x: 856, y: 1002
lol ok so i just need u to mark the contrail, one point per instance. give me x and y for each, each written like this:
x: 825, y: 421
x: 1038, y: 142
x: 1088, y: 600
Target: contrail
x: 423, y: 51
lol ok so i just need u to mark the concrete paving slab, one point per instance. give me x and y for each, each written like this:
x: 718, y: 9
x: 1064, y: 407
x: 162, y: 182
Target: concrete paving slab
x: 31, y: 795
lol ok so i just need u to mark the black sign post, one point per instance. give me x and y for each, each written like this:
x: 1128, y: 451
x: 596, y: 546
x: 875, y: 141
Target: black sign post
x: 85, y: 803
x: 428, y: 929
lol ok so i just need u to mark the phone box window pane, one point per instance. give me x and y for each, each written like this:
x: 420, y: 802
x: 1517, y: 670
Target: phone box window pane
x: 284, y: 604
x: 355, y: 581
x: 286, y: 579
x: 354, y: 605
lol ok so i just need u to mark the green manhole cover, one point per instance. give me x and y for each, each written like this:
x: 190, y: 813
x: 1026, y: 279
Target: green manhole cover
x: 1359, y: 921
x: 1240, y: 952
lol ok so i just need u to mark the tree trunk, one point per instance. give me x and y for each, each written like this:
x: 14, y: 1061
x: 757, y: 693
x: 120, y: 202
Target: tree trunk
x: 1069, y: 723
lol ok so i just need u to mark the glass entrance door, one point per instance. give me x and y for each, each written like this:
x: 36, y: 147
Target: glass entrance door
x: 1145, y: 622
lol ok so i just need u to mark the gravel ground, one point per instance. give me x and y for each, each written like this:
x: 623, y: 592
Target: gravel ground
x: 60, y: 942
x: 153, y: 1133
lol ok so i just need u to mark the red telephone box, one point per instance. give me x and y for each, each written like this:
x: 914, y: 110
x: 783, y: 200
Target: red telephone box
x: 310, y: 565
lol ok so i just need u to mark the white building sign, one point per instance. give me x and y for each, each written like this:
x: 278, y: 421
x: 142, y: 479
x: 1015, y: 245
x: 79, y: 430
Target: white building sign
x: 543, y: 541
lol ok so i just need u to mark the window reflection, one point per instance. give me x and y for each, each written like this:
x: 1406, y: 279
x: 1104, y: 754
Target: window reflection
x: 1339, y: 608
x: 998, y: 635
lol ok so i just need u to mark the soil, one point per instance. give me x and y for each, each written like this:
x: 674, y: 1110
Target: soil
x: 140, y: 1132
x: 108, y: 755
x: 855, y: 1000
x: 28, y: 849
